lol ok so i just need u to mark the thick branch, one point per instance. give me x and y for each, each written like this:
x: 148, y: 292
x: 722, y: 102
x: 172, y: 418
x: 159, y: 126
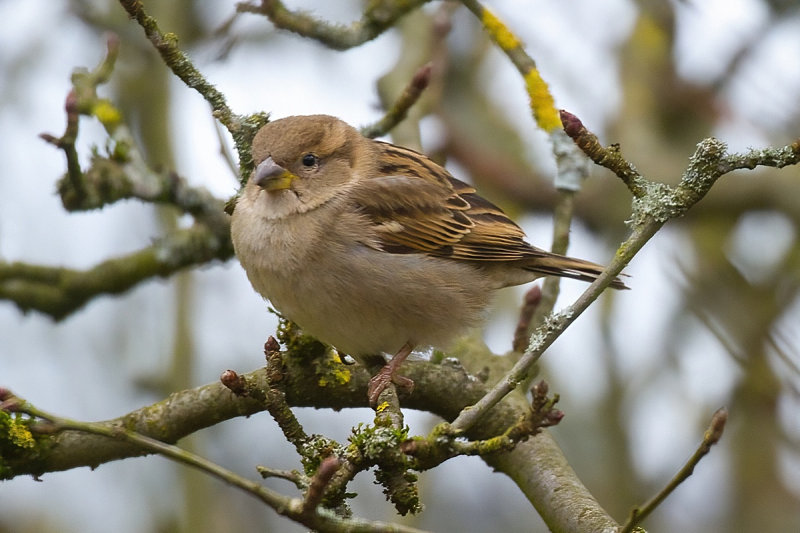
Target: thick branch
x: 442, y: 389
x: 307, y: 512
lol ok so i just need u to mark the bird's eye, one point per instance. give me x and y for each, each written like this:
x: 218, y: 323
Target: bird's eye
x: 309, y: 160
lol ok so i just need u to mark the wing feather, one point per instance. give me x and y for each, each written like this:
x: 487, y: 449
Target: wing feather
x: 416, y: 206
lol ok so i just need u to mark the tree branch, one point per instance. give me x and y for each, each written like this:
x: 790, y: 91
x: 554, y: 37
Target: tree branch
x: 658, y: 204
x: 541, y: 101
x: 443, y: 389
x: 241, y: 128
x: 379, y: 16
x: 305, y: 511
x: 399, y: 109
x: 59, y: 291
x: 180, y: 64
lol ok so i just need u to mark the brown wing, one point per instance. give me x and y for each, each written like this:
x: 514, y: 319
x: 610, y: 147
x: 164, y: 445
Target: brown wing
x: 418, y: 207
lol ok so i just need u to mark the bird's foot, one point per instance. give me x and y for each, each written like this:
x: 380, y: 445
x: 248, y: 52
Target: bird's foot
x: 387, y: 374
x: 381, y: 380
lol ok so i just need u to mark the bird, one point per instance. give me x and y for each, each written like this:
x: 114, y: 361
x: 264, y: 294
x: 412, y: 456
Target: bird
x: 374, y: 248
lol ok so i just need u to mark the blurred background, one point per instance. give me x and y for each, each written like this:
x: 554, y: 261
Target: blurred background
x: 713, y: 317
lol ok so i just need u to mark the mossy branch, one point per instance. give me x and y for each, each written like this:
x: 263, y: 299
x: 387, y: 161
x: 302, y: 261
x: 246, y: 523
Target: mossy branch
x: 119, y: 174
x: 241, y: 127
x: 59, y: 291
x: 443, y: 389
x: 167, y: 46
x: 306, y: 511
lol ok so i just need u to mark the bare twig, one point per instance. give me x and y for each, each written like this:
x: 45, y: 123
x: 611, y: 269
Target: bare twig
x: 83, y: 99
x: 555, y: 324
x: 529, y: 305
x: 710, y: 438
x: 299, y: 480
x: 562, y: 220
x: 399, y: 110
x: 316, y: 489
x: 610, y: 157
x: 443, y: 444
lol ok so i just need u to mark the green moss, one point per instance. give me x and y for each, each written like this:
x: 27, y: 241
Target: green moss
x: 299, y: 346
x: 376, y: 442
x: 403, y: 492
x: 381, y: 446
x: 315, y: 450
x: 437, y: 357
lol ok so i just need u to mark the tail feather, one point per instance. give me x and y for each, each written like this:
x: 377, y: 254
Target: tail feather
x: 569, y: 267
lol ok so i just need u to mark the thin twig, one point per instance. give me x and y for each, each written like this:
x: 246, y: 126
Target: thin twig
x: 710, y: 438
x: 180, y: 64
x: 83, y: 99
x: 530, y: 304
x: 399, y: 110
x: 610, y: 158
x: 553, y: 326
x: 299, y: 480
x: 769, y: 157
x: 242, y: 128
x: 316, y: 489
x: 562, y: 220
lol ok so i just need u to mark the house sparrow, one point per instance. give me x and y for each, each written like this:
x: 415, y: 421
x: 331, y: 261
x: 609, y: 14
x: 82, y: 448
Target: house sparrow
x: 372, y: 247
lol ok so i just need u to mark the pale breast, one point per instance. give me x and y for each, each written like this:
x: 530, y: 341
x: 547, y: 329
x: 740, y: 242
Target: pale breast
x: 316, y: 269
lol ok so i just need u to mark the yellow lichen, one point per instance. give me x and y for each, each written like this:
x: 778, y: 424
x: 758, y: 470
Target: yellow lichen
x: 542, y: 103
x: 499, y: 32
x: 341, y: 375
x: 107, y: 114
x: 335, y: 372
x: 21, y: 436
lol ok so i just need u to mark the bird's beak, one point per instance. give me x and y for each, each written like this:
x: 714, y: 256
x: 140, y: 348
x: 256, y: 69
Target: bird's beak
x: 271, y: 176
